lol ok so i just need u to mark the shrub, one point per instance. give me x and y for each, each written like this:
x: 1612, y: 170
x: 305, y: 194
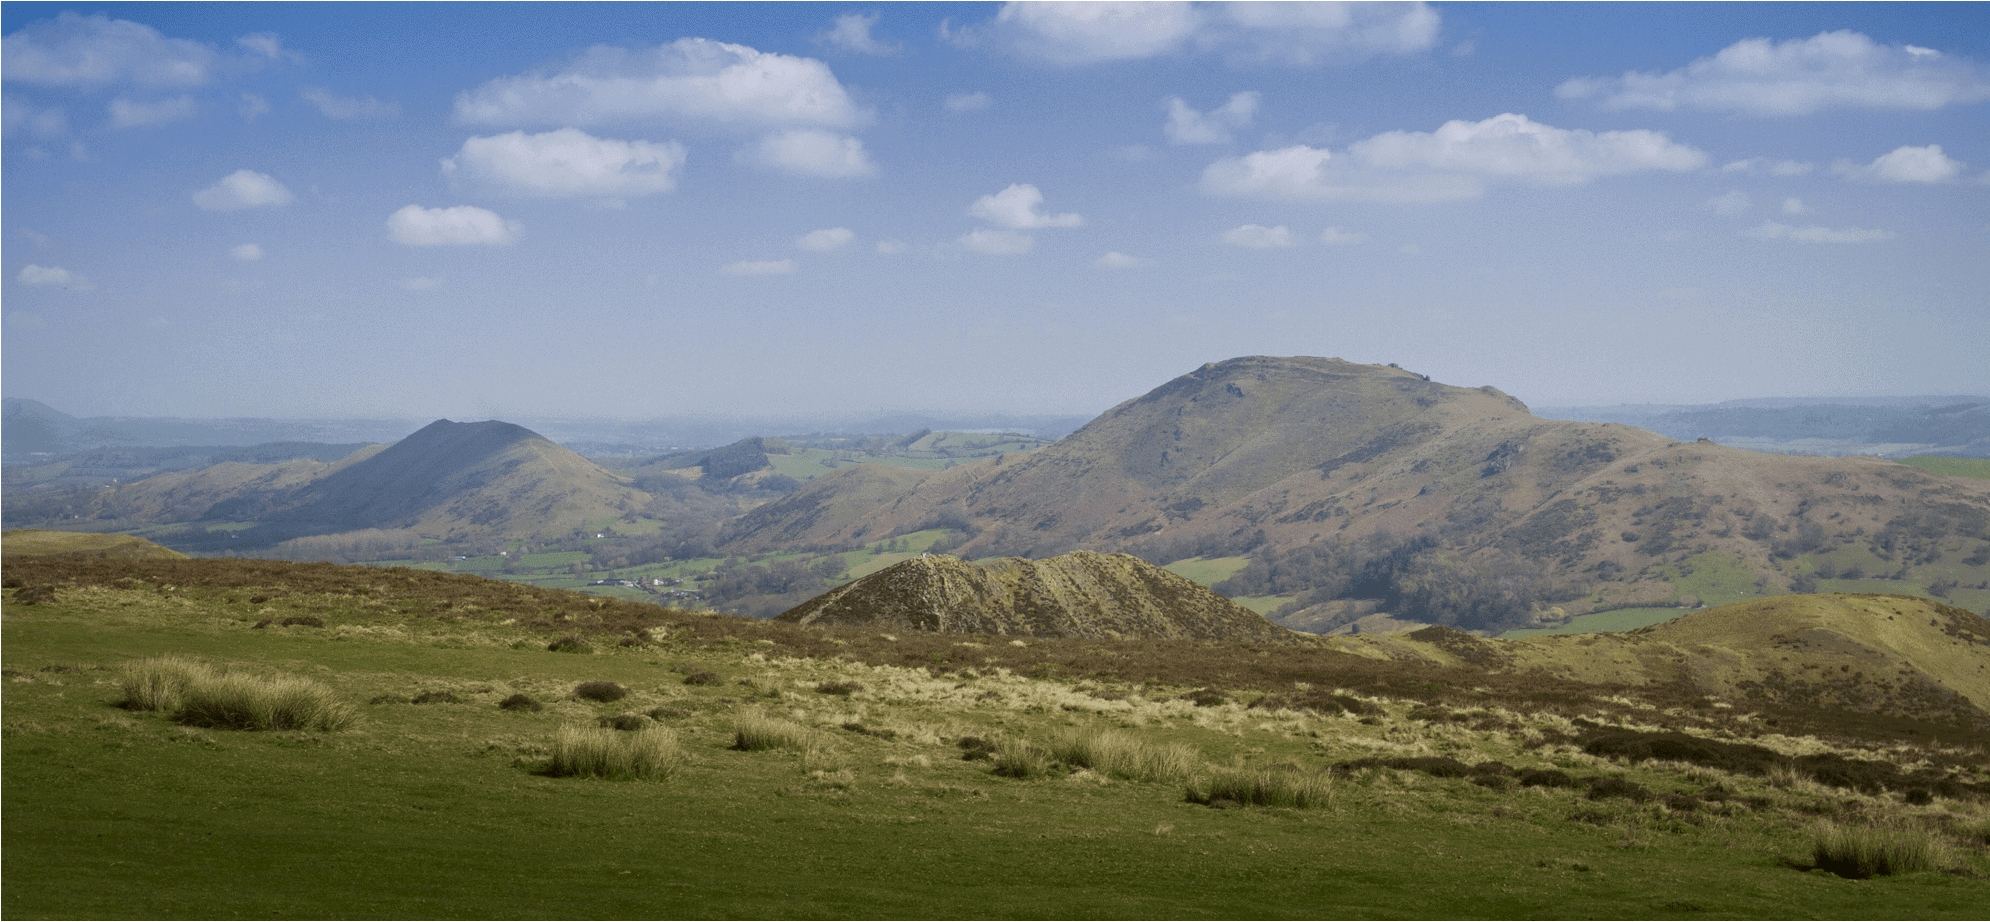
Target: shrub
x: 160, y: 682
x: 753, y: 731
x: 600, y: 691
x: 302, y: 621
x: 838, y: 688
x: 1123, y: 755
x: 1546, y: 778
x: 701, y: 677
x: 625, y: 722
x: 976, y: 749
x: 432, y: 697
x: 1604, y: 788
x: 34, y: 595
x: 244, y: 702
x: 1861, y: 851
x: 572, y: 643
x: 1272, y: 786
x: 649, y: 754
x: 521, y: 702
x: 1205, y: 697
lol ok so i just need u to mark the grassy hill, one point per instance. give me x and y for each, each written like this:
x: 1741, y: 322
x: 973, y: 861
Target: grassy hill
x: 826, y: 770
x: 1349, y: 483
x: 31, y: 542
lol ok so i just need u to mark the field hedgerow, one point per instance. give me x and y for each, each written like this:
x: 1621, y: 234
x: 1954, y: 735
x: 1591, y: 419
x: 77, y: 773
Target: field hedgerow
x: 1123, y: 755
x: 649, y: 754
x: 1859, y: 851
x: 239, y: 701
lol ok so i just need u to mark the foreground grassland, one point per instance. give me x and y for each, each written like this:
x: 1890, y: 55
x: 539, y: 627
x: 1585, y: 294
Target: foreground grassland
x: 861, y: 803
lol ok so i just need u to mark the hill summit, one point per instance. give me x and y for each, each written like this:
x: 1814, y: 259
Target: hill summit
x: 1080, y: 594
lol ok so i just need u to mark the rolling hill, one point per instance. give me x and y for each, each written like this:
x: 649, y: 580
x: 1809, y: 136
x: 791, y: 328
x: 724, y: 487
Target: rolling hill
x: 33, y: 542
x: 1080, y: 594
x: 1447, y: 505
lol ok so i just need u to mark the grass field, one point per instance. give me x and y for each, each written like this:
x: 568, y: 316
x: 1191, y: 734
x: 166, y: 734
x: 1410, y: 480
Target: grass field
x: 447, y: 808
x: 1207, y: 570
x: 1978, y: 468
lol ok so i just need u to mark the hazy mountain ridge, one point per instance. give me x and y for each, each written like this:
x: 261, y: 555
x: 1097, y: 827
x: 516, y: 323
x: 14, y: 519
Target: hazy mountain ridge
x: 1888, y: 427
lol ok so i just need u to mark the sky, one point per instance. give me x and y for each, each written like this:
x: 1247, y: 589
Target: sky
x: 640, y: 210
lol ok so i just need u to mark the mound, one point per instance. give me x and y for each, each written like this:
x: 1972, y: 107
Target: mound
x: 34, y: 542
x: 1081, y: 594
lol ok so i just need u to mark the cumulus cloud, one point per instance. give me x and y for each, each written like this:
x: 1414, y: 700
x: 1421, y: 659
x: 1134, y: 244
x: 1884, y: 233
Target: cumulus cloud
x: 968, y: 102
x: 1292, y: 34
x: 1770, y: 230
x: 55, y: 277
x: 21, y: 115
x: 760, y: 267
x: 1259, y: 237
x: 1118, y: 260
x: 822, y: 241
x: 247, y: 252
x: 94, y: 51
x: 852, y: 32
x: 691, y: 78
x: 1831, y: 70
x: 243, y: 189
x: 1453, y: 162
x: 808, y: 152
x: 1334, y: 236
x: 1754, y: 165
x: 251, y: 107
x: 1016, y: 208
x: 1187, y: 126
x: 564, y: 163
x: 346, y: 108
x: 463, y: 225
x: 997, y: 242
x: 1904, y: 164
x: 128, y: 114
x: 1795, y: 206
x: 889, y: 247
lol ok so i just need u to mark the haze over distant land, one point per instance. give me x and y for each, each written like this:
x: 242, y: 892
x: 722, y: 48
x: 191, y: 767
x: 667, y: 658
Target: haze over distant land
x: 342, y: 211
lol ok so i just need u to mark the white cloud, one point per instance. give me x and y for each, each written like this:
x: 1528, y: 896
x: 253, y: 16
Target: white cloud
x: 1831, y: 70
x: 1453, y: 162
x: 1016, y: 208
x: 1293, y: 34
x: 1904, y: 164
x: 422, y: 283
x: 809, y: 152
x: 1259, y: 237
x: 997, y: 242
x: 852, y: 32
x: 567, y: 162
x: 822, y: 241
x: 1795, y: 206
x: 332, y: 105
x: 889, y: 247
x: 463, y: 225
x: 968, y: 102
x: 760, y: 267
x: 691, y: 78
x: 1187, y: 126
x: 266, y: 45
x: 251, y: 107
x: 1770, y: 230
x: 54, y: 276
x: 1118, y: 260
x: 247, y: 252
x: 1334, y: 236
x: 85, y: 51
x: 1754, y: 165
x: 243, y: 189
x: 1729, y: 204
x: 22, y: 115
x: 128, y: 114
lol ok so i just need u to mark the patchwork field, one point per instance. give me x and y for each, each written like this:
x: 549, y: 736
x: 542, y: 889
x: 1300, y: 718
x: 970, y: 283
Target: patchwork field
x: 901, y: 776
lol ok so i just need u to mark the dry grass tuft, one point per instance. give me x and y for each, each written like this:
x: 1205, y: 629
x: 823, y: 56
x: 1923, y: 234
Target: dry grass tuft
x: 1860, y: 851
x: 652, y: 753
x: 1123, y: 755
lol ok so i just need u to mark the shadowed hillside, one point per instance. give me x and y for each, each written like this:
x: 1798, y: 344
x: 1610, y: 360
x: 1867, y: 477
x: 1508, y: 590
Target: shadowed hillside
x: 1442, y: 504
x: 1080, y: 594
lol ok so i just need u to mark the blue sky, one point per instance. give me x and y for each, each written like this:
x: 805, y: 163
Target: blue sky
x: 634, y: 210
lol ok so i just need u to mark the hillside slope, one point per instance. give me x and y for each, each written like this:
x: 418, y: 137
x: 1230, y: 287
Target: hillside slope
x: 1080, y: 594
x: 1453, y: 505
x: 34, y: 542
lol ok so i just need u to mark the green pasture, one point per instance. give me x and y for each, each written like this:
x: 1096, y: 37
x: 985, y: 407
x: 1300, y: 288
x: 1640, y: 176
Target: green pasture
x: 1978, y: 468
x: 1207, y: 570
x: 1622, y: 619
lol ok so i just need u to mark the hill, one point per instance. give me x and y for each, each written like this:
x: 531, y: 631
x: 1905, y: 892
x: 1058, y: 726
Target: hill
x: 32, y: 542
x: 1442, y: 504
x: 1080, y: 594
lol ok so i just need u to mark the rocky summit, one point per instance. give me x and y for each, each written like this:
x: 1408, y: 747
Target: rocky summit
x: 1080, y: 594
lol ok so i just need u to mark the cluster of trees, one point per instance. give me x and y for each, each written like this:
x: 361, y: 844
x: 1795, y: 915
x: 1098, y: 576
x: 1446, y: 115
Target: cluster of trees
x: 1416, y: 577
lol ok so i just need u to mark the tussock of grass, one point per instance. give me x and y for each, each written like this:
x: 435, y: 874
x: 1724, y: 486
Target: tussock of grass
x: 160, y: 682
x: 1022, y: 761
x: 753, y: 731
x: 603, y: 691
x: 652, y: 753
x: 1123, y: 755
x: 238, y: 701
x: 1263, y: 786
x: 1862, y: 851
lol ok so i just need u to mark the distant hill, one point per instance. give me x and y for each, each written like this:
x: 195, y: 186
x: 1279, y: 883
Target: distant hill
x: 34, y: 432
x: 31, y: 542
x: 1447, y: 505
x: 1080, y: 594
x: 1885, y: 427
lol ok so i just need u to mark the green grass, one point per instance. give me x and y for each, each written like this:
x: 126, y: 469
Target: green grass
x: 1264, y: 604
x: 452, y: 810
x: 1978, y: 468
x: 1622, y: 619
x: 1207, y: 570
x: 1714, y: 578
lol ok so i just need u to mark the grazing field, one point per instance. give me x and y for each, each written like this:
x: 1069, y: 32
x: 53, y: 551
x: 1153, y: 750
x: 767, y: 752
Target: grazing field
x: 773, y: 771
x: 1978, y: 468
